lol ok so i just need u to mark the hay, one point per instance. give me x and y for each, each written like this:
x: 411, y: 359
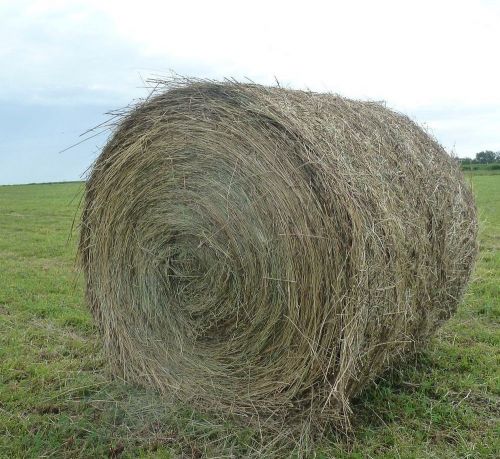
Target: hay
x: 267, y: 252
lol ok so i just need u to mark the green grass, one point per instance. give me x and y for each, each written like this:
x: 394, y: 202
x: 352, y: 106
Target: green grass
x: 481, y: 169
x: 57, y: 401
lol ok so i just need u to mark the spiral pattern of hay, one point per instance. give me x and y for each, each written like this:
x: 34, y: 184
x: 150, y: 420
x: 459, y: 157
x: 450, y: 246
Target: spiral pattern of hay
x: 263, y: 251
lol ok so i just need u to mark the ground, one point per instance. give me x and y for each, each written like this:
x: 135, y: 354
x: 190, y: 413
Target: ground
x: 57, y: 401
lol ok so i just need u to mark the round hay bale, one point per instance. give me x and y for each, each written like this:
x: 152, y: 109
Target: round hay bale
x: 263, y: 251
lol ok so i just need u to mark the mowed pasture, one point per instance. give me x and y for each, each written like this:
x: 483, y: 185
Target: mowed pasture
x: 57, y: 401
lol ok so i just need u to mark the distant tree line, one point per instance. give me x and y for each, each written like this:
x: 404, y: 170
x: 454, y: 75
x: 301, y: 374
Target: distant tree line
x: 483, y: 157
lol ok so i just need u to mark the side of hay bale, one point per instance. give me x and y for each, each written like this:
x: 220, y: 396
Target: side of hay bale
x: 268, y: 252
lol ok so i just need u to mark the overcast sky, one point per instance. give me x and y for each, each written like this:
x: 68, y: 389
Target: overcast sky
x: 64, y: 64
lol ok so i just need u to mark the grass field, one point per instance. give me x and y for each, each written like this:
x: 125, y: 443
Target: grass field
x: 56, y: 400
x: 481, y: 169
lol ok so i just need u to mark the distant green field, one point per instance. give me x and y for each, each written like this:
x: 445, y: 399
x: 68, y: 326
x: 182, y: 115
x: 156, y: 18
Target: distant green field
x: 481, y: 169
x: 56, y: 400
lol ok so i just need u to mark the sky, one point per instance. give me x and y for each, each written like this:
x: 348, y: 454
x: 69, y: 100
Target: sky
x: 65, y: 64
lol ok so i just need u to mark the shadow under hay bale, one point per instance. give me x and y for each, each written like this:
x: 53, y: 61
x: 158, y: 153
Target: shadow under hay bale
x: 265, y: 253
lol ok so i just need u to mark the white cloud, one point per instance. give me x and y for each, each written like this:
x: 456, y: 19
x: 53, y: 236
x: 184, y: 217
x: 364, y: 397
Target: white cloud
x: 413, y: 53
x: 437, y: 60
